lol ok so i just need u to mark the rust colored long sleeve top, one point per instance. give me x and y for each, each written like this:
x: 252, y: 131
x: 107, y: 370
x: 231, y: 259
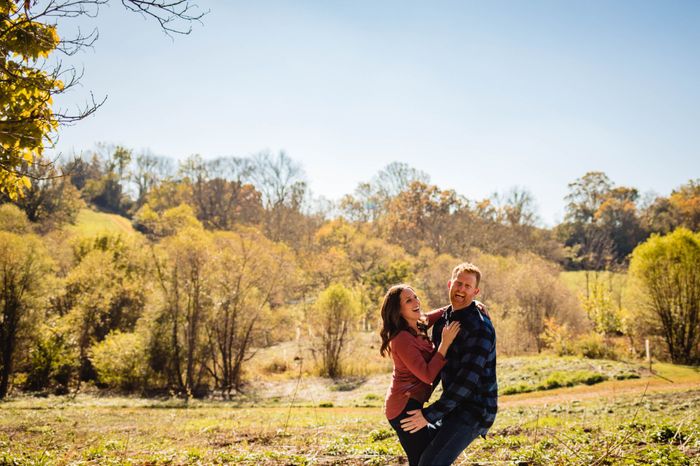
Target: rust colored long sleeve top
x: 416, y: 365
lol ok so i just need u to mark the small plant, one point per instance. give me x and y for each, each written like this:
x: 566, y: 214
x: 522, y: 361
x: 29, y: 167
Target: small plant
x: 629, y: 375
x: 380, y: 434
x: 347, y: 384
x: 519, y: 388
x: 557, y: 337
x: 569, y: 379
x: 95, y: 452
x: 194, y: 455
x: 594, y: 346
x: 277, y: 366
x: 668, y: 434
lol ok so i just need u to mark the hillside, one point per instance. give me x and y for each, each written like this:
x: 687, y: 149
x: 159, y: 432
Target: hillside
x: 91, y: 222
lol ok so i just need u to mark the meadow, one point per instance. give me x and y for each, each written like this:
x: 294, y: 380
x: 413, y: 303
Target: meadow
x: 650, y: 419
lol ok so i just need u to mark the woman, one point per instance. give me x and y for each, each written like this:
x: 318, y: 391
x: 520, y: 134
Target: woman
x: 416, y: 363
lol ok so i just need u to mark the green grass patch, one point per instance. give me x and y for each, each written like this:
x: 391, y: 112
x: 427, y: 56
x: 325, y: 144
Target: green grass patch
x: 91, y: 223
x: 558, y: 379
x: 526, y: 374
x: 675, y: 372
x: 576, y: 280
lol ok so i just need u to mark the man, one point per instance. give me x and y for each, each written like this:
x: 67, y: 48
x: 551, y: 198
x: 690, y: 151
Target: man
x: 468, y: 404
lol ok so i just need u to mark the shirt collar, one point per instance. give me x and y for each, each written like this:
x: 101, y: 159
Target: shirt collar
x: 452, y: 315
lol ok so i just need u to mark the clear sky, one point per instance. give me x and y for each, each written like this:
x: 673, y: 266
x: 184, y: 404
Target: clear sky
x: 482, y: 96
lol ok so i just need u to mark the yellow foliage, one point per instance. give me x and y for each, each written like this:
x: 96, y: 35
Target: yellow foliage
x: 25, y: 95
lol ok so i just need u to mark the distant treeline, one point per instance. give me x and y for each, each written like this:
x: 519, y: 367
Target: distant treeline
x: 602, y: 225
x: 235, y: 254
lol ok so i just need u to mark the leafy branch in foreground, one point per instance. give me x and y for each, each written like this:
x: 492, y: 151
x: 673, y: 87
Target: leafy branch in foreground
x: 31, y: 75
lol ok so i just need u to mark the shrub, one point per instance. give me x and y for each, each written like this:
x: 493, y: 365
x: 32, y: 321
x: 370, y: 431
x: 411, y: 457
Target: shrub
x: 668, y: 434
x: 557, y: 337
x: 277, y: 366
x: 120, y: 360
x: 520, y: 388
x: 594, y: 346
x: 334, y: 318
x: 380, y: 434
x: 13, y: 219
x: 570, y: 378
x: 53, y: 363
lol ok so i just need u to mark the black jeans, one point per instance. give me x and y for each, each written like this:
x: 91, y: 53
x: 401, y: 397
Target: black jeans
x: 413, y: 444
x: 457, y: 430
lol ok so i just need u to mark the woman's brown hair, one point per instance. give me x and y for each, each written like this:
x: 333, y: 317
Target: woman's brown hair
x: 392, y: 321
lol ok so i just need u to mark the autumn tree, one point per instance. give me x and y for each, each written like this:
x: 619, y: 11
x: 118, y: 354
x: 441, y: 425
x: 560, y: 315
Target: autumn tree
x: 332, y: 322
x: 51, y: 200
x: 668, y: 267
x: 14, y: 220
x: 104, y: 292
x: 364, y: 205
x: 107, y: 191
x: 178, y: 344
x: 120, y: 360
x: 619, y: 218
x: 432, y: 274
x: 523, y: 292
x: 681, y: 208
x: 26, y: 93
x: 420, y: 216
x: 169, y: 194
x: 248, y: 275
x: 515, y: 208
x: 25, y: 270
x: 603, y: 304
x: 31, y: 76
x: 79, y: 170
x: 146, y: 172
x: 686, y: 201
x: 371, y: 198
x: 159, y: 225
x: 283, y: 186
x: 219, y: 193
x: 346, y: 253
x: 602, y: 224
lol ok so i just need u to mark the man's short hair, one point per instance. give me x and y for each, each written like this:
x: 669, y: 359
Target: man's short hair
x: 467, y: 267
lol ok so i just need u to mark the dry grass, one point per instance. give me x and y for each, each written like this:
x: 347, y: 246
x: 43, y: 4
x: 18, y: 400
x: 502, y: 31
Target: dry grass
x: 629, y: 429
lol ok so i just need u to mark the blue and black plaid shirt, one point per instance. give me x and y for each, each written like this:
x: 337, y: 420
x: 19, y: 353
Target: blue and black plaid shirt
x: 469, y: 377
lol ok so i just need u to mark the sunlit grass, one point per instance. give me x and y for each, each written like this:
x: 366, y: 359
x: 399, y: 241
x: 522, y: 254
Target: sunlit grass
x: 91, y: 222
x: 632, y: 429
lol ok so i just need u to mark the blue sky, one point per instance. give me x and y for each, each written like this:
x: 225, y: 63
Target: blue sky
x: 482, y: 96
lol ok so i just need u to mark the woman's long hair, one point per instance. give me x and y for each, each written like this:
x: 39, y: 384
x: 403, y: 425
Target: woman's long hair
x: 392, y: 321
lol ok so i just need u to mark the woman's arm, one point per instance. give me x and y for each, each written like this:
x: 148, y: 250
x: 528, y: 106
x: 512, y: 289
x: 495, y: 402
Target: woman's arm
x: 405, y: 346
x: 433, y: 316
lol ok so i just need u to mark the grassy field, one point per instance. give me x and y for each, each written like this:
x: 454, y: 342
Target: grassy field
x: 90, y: 223
x: 647, y: 420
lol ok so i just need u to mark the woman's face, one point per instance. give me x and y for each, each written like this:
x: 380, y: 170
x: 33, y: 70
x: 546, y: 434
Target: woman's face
x: 410, y: 306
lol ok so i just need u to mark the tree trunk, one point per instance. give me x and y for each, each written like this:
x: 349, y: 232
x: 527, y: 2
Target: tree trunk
x: 8, y: 333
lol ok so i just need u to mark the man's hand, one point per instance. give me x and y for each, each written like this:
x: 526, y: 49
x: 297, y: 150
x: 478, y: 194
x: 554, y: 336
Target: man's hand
x: 414, y: 422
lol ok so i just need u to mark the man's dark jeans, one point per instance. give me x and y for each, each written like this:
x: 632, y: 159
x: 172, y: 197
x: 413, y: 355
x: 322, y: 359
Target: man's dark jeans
x: 413, y: 444
x: 457, y: 431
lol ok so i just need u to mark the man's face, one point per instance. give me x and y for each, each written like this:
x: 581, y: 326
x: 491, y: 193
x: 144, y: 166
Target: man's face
x: 463, y: 290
